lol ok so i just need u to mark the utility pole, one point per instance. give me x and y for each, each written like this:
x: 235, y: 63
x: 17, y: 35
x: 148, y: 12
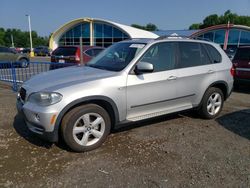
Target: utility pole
x: 31, y: 44
x: 12, y: 41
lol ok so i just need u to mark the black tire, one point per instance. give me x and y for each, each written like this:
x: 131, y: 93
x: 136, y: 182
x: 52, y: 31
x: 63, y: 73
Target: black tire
x: 204, y: 111
x: 69, y: 124
x: 24, y: 63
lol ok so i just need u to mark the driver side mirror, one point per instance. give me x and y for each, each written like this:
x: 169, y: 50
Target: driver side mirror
x: 144, y: 67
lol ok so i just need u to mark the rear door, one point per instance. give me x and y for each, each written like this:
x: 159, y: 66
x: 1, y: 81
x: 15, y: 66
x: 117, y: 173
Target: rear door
x: 195, y: 72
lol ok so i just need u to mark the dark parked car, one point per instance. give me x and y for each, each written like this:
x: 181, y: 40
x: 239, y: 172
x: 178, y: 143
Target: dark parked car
x: 42, y: 51
x: 71, y: 55
x: 241, y: 63
x: 8, y: 55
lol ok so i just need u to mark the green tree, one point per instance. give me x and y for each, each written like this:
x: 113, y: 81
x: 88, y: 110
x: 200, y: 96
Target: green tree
x: 215, y: 19
x: 148, y: 27
x: 21, y: 38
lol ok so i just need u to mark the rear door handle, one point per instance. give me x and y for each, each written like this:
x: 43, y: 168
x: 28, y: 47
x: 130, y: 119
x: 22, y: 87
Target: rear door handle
x: 172, y: 78
x: 210, y: 71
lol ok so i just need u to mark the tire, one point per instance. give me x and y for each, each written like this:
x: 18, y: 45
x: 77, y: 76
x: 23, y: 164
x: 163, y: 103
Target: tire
x: 24, y: 63
x: 212, y: 103
x: 78, y: 131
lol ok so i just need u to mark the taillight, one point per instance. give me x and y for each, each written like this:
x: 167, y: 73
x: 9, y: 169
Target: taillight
x: 233, y: 71
x: 77, y: 58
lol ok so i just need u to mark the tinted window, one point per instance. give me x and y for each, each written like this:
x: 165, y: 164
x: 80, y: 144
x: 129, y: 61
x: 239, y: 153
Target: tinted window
x: 4, y: 49
x: 65, y: 51
x: 161, y: 55
x: 192, y: 54
x: 89, y: 52
x: 242, y: 54
x: 96, y: 51
x: 213, y: 53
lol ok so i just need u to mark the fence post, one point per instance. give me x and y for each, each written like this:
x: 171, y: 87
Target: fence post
x: 13, y: 72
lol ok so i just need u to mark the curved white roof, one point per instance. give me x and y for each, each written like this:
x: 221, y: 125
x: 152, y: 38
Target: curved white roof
x: 130, y: 31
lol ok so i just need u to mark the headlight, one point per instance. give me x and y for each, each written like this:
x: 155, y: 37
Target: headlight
x: 45, y: 98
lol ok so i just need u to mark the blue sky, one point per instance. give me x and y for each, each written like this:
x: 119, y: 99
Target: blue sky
x: 48, y: 15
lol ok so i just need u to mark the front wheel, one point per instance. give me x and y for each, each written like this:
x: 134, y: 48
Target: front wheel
x: 212, y: 103
x: 85, y: 127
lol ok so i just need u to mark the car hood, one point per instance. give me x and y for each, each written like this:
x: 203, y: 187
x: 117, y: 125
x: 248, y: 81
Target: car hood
x: 56, y: 79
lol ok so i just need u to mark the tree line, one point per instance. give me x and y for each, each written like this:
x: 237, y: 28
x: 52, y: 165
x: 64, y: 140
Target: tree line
x: 21, y: 38
x: 215, y: 19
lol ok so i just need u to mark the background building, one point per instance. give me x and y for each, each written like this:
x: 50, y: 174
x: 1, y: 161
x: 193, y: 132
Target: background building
x: 95, y: 32
x: 229, y: 36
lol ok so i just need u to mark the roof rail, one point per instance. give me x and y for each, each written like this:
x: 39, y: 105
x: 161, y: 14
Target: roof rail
x: 173, y: 36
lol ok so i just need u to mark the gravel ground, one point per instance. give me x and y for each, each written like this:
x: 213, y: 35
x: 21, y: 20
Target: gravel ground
x: 178, y: 150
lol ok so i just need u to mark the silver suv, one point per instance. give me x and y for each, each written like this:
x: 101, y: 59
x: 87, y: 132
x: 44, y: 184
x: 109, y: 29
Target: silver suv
x: 128, y: 82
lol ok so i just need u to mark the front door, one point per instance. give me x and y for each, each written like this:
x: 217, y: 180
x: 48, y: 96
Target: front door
x: 153, y: 94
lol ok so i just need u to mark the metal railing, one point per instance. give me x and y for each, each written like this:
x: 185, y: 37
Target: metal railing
x: 15, y: 73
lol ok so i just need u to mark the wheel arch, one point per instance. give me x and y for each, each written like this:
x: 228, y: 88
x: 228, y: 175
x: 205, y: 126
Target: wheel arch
x: 103, y: 101
x: 19, y: 58
x: 223, y: 86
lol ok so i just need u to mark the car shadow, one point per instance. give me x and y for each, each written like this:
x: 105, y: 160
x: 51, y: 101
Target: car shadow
x: 243, y: 89
x: 237, y: 122
x: 132, y: 125
x: 22, y: 129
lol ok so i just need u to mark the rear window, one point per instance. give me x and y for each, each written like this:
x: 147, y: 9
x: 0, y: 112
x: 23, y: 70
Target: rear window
x: 242, y: 54
x: 213, y: 53
x: 65, y: 51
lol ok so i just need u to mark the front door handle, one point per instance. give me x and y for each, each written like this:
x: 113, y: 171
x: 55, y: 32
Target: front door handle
x: 172, y: 78
x: 210, y: 71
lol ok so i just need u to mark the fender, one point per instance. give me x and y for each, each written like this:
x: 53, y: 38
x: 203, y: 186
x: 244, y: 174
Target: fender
x: 86, y: 99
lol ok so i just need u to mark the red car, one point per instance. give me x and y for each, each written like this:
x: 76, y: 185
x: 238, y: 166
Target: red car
x: 71, y: 54
x: 241, y: 65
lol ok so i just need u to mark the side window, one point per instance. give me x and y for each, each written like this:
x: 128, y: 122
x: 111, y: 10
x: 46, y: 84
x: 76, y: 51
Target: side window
x: 1, y: 50
x: 89, y: 52
x: 213, y: 53
x: 96, y: 51
x: 192, y: 54
x: 161, y: 55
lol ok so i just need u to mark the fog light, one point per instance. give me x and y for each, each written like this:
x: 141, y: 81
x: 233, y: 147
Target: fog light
x: 37, y: 117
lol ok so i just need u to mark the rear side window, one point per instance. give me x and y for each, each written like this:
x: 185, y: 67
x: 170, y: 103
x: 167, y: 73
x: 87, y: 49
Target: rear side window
x: 65, y: 51
x: 96, y: 51
x: 192, y: 54
x: 242, y: 54
x: 89, y: 52
x: 213, y: 53
x: 4, y: 49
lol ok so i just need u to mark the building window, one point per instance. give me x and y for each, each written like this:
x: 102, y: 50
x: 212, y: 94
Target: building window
x: 72, y: 36
x: 219, y: 36
x: 209, y: 36
x: 245, y: 37
x: 105, y: 35
x: 233, y: 37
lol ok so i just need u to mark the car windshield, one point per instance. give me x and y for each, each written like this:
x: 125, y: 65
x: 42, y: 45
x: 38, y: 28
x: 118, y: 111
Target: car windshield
x: 117, y: 56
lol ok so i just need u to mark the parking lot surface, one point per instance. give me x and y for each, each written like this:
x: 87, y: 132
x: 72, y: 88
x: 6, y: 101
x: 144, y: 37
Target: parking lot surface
x: 179, y: 150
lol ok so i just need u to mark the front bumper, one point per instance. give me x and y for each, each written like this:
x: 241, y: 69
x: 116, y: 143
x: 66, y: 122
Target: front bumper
x: 40, y: 126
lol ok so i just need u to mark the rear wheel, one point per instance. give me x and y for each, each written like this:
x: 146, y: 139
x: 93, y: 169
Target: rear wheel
x: 24, y: 63
x: 86, y: 127
x: 212, y: 103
